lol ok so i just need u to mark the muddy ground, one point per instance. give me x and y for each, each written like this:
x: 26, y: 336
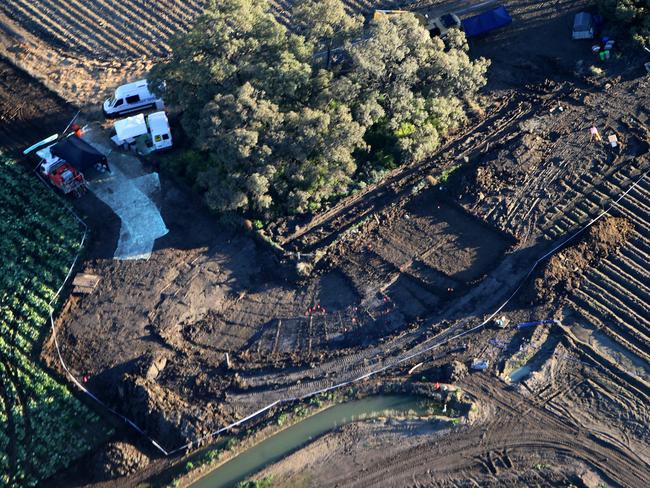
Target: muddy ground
x: 539, y: 437
x: 404, y: 266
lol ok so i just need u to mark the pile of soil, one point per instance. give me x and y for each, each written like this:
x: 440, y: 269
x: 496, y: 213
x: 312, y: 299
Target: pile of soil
x: 451, y: 372
x: 162, y: 412
x: 563, y: 272
x: 118, y: 459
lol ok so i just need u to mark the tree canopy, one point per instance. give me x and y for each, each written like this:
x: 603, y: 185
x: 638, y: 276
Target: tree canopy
x: 275, y: 132
x: 633, y: 14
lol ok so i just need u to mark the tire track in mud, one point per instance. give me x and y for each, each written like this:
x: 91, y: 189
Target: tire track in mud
x: 518, y: 427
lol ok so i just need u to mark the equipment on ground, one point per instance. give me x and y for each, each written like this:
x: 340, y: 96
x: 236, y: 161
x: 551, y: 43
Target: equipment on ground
x: 130, y: 98
x: 480, y: 364
x: 501, y: 323
x: 535, y: 323
x: 143, y: 134
x: 583, y: 26
x: 485, y: 22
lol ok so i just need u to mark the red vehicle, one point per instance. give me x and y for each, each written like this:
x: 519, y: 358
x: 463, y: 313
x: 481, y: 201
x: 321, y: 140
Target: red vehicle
x: 65, y: 177
x: 64, y: 162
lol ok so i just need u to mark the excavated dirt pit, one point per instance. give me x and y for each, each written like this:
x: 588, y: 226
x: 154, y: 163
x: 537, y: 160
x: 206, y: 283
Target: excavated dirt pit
x: 420, y: 255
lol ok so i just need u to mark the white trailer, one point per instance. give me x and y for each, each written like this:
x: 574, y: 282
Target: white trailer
x: 143, y: 134
x: 583, y: 26
x: 130, y: 98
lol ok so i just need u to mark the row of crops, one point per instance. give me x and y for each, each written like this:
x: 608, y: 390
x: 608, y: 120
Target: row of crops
x: 43, y: 427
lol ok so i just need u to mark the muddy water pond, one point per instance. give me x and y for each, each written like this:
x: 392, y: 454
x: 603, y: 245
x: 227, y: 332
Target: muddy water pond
x: 285, y: 442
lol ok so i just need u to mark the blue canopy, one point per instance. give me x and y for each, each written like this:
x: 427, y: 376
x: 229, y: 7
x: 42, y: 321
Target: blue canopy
x: 485, y: 22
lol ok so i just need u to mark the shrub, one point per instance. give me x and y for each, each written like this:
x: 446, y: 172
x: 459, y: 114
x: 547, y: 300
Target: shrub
x: 632, y: 15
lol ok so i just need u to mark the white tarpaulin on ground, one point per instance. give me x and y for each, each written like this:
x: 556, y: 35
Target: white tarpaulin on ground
x: 130, y: 199
x: 128, y: 192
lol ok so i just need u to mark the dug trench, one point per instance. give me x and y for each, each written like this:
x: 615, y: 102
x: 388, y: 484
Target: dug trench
x: 221, y: 290
x: 159, y: 329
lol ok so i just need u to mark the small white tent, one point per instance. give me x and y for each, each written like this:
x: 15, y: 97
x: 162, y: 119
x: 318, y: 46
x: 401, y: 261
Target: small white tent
x: 126, y: 130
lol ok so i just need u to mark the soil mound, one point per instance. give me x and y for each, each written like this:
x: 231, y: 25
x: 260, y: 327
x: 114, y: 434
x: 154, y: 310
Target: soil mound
x: 453, y: 372
x: 163, y: 413
x: 563, y: 272
x: 118, y: 459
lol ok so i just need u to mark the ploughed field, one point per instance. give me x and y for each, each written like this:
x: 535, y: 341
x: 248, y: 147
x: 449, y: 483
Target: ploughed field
x: 511, y: 188
x: 105, y: 29
x: 108, y: 29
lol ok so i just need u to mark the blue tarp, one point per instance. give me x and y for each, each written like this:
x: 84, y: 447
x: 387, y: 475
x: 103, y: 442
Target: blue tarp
x: 485, y: 22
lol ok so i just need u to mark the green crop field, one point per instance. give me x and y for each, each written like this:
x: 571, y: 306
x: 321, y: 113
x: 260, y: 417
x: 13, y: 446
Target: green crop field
x: 43, y: 427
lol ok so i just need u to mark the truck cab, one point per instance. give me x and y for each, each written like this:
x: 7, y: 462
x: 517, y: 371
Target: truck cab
x: 131, y: 98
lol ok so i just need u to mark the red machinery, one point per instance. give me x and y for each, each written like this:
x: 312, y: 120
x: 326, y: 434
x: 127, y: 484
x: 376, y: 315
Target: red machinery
x: 63, y: 162
x: 65, y: 177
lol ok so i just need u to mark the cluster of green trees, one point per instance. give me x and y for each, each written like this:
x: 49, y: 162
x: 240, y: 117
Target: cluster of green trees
x: 284, y: 119
x: 632, y: 14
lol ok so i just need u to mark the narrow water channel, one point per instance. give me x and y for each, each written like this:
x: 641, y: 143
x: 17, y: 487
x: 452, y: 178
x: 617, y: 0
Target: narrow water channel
x: 285, y: 442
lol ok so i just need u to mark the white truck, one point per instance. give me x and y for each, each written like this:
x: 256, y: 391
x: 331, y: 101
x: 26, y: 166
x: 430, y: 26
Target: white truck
x: 130, y: 98
x: 143, y: 134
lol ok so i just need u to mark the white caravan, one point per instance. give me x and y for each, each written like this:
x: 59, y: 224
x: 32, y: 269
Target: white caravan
x: 144, y: 135
x: 132, y: 97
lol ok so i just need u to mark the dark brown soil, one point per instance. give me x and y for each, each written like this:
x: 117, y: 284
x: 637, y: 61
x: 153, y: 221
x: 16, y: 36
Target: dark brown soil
x: 118, y: 459
x: 29, y: 112
x: 564, y: 270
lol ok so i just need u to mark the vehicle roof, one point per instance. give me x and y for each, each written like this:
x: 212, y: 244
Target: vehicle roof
x: 130, y: 127
x: 582, y: 20
x: 158, y: 122
x: 46, y: 154
x: 120, y: 90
